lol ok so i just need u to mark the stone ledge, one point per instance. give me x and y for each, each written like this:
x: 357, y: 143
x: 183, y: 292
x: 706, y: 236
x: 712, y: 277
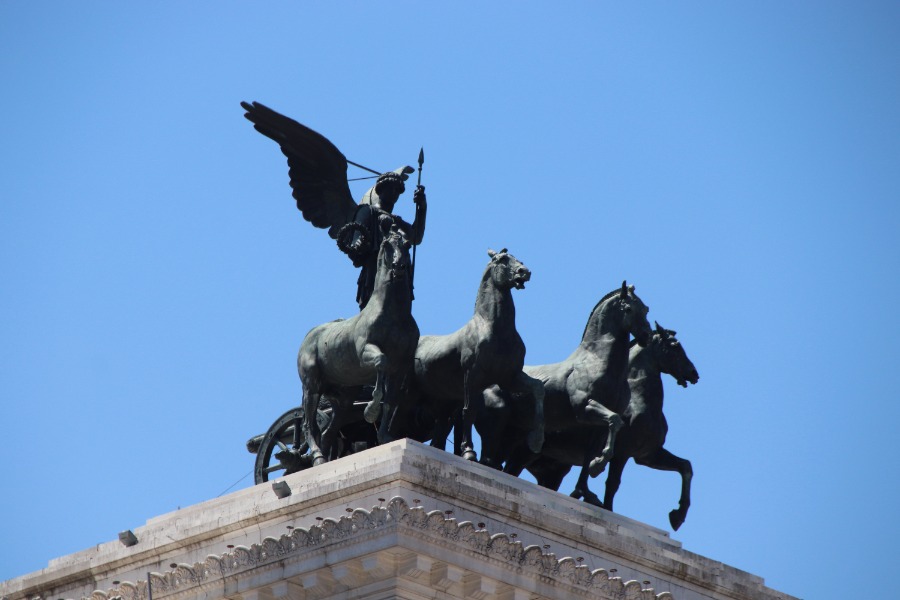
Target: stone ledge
x: 507, y: 506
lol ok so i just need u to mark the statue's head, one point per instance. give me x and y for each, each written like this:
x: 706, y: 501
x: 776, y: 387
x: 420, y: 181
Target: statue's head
x: 387, y: 188
x: 390, y: 185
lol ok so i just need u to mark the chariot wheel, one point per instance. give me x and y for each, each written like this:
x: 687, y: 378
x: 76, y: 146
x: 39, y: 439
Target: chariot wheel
x: 283, y: 449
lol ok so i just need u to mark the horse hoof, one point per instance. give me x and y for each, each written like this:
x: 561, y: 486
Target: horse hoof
x: 676, y: 519
x: 470, y: 455
x: 597, y: 466
x: 576, y: 493
x: 592, y: 499
x: 536, y: 441
x: 372, y: 411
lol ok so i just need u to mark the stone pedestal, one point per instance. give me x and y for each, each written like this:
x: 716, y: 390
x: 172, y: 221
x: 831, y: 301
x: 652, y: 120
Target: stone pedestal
x: 399, y: 521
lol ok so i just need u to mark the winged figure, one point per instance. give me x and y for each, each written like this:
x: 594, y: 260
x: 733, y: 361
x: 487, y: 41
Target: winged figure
x: 318, y: 178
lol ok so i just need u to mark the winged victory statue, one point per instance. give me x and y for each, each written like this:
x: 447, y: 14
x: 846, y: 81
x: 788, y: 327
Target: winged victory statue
x: 318, y: 178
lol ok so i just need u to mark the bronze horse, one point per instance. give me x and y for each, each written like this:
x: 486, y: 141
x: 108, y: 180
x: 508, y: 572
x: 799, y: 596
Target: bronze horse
x: 644, y: 432
x: 584, y: 394
x: 375, y: 346
x: 451, y: 371
x: 645, y: 429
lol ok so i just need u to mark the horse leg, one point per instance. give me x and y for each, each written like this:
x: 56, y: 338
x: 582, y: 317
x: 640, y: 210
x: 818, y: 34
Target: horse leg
x: 458, y: 433
x: 581, y: 486
x: 491, y: 425
x: 614, y: 479
x: 387, y: 417
x: 548, y: 472
x: 330, y: 434
x: 374, y: 357
x: 468, y: 420
x: 664, y: 460
x: 405, y: 421
x: 597, y: 413
x: 311, y: 427
x: 534, y: 390
x: 519, y: 459
x: 440, y: 434
x: 583, y: 491
x: 309, y: 377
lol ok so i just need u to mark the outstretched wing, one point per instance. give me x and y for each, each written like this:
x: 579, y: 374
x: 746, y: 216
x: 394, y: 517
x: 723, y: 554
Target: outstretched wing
x: 317, y: 169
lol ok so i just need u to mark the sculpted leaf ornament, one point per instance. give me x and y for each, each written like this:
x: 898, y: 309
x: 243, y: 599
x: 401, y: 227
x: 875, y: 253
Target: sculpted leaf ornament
x: 301, y: 541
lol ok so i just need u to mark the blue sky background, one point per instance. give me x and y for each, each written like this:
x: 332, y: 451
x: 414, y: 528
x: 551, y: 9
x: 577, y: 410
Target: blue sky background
x: 738, y: 163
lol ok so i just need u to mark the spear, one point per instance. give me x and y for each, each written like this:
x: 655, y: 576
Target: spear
x: 412, y: 273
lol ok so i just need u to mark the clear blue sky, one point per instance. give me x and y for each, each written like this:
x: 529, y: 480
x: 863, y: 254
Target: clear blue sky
x: 738, y: 163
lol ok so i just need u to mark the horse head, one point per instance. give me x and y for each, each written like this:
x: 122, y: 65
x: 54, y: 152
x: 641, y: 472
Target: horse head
x: 619, y: 311
x: 506, y: 271
x: 393, y: 256
x: 672, y: 358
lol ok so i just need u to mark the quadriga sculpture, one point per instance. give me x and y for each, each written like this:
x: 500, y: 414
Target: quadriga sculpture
x: 644, y: 433
x: 584, y: 394
x: 376, y: 346
x: 453, y: 370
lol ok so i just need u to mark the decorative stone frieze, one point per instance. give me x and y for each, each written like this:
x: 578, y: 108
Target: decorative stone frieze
x: 467, y: 537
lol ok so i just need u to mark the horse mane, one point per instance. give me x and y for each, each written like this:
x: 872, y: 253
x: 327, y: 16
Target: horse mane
x: 601, y: 301
x: 487, y: 268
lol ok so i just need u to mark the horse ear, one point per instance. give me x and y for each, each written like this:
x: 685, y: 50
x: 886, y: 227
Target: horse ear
x: 659, y: 329
x: 491, y: 253
x: 623, y: 293
x: 503, y: 251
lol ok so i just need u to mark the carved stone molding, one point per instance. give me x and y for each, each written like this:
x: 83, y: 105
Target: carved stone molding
x: 462, y: 536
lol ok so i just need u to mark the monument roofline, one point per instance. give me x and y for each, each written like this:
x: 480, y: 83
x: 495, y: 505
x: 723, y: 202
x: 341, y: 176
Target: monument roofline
x: 401, y: 514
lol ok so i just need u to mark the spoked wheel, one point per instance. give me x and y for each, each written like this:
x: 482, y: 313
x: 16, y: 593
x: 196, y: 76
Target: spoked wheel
x: 283, y: 449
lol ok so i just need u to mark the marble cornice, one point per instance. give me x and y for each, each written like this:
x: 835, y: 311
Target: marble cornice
x: 434, y: 527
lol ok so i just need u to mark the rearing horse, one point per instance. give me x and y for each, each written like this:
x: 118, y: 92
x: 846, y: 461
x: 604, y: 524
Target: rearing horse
x: 644, y: 433
x: 453, y: 370
x: 585, y: 392
x: 376, y: 346
x: 645, y: 429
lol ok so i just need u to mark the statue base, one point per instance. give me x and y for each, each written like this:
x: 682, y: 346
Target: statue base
x: 399, y: 521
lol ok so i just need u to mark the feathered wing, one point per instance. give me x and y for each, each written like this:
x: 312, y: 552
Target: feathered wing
x: 317, y: 169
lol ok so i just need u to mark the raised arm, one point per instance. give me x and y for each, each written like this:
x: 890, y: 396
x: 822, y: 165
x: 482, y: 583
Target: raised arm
x: 418, y: 226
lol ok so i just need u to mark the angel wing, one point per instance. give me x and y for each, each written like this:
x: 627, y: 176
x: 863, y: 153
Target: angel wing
x: 317, y: 169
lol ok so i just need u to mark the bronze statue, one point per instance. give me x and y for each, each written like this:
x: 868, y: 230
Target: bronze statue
x: 318, y: 178
x: 375, y: 346
x: 584, y: 393
x: 644, y: 433
x: 375, y: 369
x: 451, y: 371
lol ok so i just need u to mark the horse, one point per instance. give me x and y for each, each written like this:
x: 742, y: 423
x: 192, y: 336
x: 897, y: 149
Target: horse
x: 583, y: 394
x: 644, y: 433
x: 378, y: 344
x: 452, y: 370
x: 645, y: 429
